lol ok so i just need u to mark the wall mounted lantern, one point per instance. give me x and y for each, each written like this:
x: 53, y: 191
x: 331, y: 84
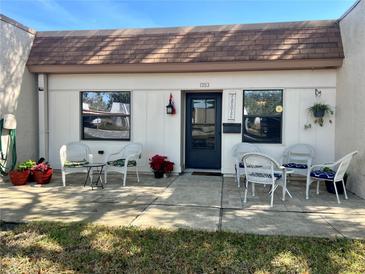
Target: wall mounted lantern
x: 170, y: 108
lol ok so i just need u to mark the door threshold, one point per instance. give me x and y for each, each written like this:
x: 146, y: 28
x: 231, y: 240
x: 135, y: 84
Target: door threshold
x: 191, y: 170
x: 203, y: 172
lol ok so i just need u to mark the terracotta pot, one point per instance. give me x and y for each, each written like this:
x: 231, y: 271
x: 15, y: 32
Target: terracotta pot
x: 42, y: 177
x: 19, y: 178
x: 158, y: 174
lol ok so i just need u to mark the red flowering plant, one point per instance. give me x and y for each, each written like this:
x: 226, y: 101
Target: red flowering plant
x: 41, y: 166
x: 160, y: 164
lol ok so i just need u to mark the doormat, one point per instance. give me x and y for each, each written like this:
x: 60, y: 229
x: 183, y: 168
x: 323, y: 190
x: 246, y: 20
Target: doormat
x: 200, y: 173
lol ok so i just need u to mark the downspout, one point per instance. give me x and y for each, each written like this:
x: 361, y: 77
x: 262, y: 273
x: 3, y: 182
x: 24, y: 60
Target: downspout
x: 43, y: 116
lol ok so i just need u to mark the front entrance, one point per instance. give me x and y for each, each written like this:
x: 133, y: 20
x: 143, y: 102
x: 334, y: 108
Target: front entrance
x: 203, y: 130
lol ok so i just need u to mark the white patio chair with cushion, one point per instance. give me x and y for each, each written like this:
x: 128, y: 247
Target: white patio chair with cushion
x: 126, y: 158
x: 335, y: 173
x: 262, y: 169
x: 73, y: 156
x: 298, y: 158
x: 238, y: 151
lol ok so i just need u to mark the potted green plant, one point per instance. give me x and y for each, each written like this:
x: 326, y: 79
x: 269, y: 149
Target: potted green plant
x: 42, y: 172
x: 19, y: 176
x: 319, y: 111
x: 329, y: 184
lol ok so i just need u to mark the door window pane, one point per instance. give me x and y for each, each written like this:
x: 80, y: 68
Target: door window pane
x: 203, y: 111
x: 203, y: 136
x: 210, y: 111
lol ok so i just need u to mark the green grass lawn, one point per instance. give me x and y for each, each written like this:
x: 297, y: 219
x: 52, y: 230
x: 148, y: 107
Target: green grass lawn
x: 83, y: 248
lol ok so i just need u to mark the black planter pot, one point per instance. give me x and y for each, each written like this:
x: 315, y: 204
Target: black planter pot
x: 319, y: 113
x: 158, y: 174
x: 331, y: 189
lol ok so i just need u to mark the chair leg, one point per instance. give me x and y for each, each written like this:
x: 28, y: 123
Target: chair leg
x: 125, y: 177
x: 63, y: 178
x: 246, y: 189
x: 338, y: 199
x: 272, y: 195
x: 317, y: 187
x: 344, y: 189
x: 105, y: 176
x: 307, y: 188
x: 137, y: 174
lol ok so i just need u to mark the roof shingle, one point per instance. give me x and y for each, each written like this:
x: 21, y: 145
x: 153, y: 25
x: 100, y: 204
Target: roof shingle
x: 233, y: 43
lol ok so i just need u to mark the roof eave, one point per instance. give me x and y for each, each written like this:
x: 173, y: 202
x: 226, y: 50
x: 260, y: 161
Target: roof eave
x: 190, y: 67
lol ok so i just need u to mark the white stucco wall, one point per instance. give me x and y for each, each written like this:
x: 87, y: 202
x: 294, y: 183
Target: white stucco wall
x: 161, y: 133
x: 350, y: 127
x: 17, y: 86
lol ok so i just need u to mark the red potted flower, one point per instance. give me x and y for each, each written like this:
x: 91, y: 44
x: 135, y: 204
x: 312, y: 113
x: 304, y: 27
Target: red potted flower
x: 160, y: 165
x: 42, y: 172
x: 19, y: 176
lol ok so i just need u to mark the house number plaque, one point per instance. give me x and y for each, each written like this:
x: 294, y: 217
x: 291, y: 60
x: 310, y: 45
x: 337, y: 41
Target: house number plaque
x: 204, y: 85
x: 231, y: 106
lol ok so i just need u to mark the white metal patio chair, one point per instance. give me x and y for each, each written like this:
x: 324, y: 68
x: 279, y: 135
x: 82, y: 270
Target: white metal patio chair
x: 238, y: 151
x: 73, y: 156
x: 262, y: 169
x: 126, y: 158
x: 335, y: 174
x: 298, y: 158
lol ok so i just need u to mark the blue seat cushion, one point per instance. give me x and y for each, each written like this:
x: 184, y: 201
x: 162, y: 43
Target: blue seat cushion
x: 294, y: 165
x: 328, y: 175
x: 120, y: 163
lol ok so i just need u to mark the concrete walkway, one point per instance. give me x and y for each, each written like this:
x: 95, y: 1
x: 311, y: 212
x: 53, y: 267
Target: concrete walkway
x: 199, y: 202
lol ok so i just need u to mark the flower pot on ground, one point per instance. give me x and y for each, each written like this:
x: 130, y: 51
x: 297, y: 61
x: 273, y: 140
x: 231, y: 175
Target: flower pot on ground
x: 160, y: 165
x: 331, y: 189
x: 158, y: 174
x: 20, y: 175
x: 42, y: 172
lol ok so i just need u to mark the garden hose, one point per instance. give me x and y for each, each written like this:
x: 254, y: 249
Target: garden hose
x: 12, y: 148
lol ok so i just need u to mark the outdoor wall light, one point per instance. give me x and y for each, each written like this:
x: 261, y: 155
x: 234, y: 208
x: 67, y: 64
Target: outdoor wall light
x: 170, y: 108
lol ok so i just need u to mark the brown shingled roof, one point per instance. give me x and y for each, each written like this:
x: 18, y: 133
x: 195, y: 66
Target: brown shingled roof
x: 230, y: 43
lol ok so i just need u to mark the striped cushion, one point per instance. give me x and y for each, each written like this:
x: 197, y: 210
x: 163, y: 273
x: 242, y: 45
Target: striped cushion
x: 120, y: 163
x: 75, y: 163
x: 294, y: 165
x: 328, y: 175
x: 258, y: 174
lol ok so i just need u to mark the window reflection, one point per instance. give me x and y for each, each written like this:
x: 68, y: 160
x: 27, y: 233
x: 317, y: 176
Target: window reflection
x: 105, y: 115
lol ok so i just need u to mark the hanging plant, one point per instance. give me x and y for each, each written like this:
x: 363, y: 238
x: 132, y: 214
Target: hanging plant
x: 319, y: 111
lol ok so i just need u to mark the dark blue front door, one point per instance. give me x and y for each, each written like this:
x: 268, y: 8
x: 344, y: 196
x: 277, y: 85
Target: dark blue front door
x: 203, y: 130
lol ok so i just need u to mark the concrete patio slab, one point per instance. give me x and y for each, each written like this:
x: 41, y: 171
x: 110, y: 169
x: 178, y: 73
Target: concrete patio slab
x: 173, y: 217
x: 193, y: 191
x: 349, y: 225
x: 277, y: 223
x: 187, y: 201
